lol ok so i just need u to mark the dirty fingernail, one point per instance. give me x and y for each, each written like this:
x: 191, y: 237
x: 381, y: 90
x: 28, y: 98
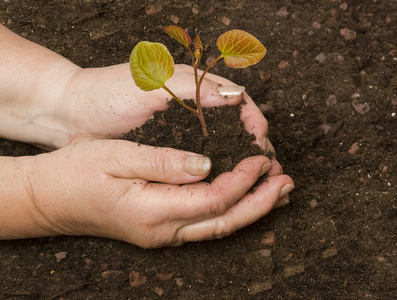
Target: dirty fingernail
x: 264, y: 143
x: 267, y: 145
x: 285, y: 190
x: 231, y: 90
x: 197, y: 165
x: 265, y: 168
x: 281, y: 202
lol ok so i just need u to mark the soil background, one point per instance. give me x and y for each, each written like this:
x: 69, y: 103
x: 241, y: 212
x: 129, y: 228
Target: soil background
x: 328, y: 87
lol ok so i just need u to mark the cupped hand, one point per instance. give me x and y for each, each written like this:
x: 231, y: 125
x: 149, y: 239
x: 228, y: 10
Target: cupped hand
x: 106, y: 103
x: 147, y: 196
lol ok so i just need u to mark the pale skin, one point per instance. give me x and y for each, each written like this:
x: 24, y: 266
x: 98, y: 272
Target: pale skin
x: 93, y: 185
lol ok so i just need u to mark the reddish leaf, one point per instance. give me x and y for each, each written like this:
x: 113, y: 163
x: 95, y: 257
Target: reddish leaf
x: 198, y: 49
x: 197, y: 43
x: 240, y: 49
x: 179, y: 34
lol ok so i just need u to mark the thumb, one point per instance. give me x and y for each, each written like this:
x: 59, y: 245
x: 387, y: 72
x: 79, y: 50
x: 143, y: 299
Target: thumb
x: 214, y: 90
x: 215, y: 94
x: 158, y: 164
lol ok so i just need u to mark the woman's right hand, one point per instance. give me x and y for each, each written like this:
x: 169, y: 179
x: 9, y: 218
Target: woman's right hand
x: 150, y: 197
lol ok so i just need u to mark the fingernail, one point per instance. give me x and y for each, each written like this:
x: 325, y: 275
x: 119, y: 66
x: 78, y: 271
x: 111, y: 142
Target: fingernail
x: 264, y: 143
x: 285, y: 190
x: 197, y: 165
x: 265, y: 168
x: 281, y: 202
x: 231, y: 90
x: 267, y: 145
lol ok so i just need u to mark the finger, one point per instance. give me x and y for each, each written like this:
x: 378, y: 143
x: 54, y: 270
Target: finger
x: 276, y: 168
x: 254, y: 122
x: 185, y: 88
x: 248, y: 210
x: 131, y: 160
x: 251, y: 115
x: 199, y: 201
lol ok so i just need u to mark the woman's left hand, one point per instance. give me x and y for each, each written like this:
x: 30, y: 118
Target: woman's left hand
x: 106, y: 103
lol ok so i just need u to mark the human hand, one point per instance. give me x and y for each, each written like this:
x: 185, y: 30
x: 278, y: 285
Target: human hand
x: 145, y: 195
x: 106, y: 103
x: 54, y: 103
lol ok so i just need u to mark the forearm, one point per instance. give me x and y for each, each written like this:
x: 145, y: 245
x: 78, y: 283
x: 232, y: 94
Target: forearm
x: 32, y: 79
x: 20, y: 217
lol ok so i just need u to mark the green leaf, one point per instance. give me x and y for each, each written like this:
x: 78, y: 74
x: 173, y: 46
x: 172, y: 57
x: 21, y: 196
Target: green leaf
x: 179, y: 34
x: 151, y: 65
x: 240, y: 49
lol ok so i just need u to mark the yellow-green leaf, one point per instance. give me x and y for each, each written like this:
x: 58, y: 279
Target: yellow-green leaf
x: 240, y: 49
x: 179, y: 34
x: 151, y: 65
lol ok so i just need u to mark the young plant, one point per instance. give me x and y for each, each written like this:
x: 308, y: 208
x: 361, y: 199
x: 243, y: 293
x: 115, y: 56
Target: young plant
x: 151, y: 64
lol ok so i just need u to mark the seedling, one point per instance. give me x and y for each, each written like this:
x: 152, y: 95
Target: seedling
x: 151, y: 64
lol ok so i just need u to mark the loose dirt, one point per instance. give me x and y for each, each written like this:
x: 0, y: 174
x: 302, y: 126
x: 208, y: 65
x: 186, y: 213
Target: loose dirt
x: 327, y: 86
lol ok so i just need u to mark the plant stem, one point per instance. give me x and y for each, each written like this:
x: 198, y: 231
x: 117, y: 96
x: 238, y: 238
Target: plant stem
x: 207, y: 69
x: 199, y: 108
x: 181, y: 102
x: 198, y: 102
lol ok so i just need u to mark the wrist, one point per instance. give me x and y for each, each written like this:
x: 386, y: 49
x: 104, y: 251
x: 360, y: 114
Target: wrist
x: 32, y: 80
x: 43, y: 117
x: 21, y: 213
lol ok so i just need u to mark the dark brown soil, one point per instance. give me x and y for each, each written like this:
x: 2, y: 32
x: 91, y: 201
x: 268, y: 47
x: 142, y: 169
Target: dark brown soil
x: 227, y: 143
x: 331, y: 103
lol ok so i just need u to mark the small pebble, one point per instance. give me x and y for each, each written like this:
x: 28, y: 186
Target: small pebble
x: 179, y: 281
x: 282, y: 12
x: 343, y: 6
x: 320, y: 58
x: 174, y: 19
x: 313, y: 203
x: 268, y: 238
x: 159, y: 291
x: 267, y: 107
x: 283, y: 65
x: 153, y: 9
x: 259, y: 287
x: 265, y: 253
x: 361, y: 108
x: 330, y: 252
x: 331, y: 100
x: 195, y: 10
x: 348, y: 34
x: 108, y: 273
x: 353, y: 148
x: 293, y: 270
x: 326, y: 128
x: 136, y: 279
x: 226, y: 21
x: 316, y: 26
x: 381, y: 259
x: 60, y: 256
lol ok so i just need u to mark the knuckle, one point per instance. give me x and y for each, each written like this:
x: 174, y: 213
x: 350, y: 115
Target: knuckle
x: 217, y: 207
x: 159, y: 164
x: 222, y: 228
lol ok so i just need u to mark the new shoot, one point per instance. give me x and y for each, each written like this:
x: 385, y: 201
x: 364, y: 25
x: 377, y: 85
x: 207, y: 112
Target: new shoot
x: 151, y: 64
